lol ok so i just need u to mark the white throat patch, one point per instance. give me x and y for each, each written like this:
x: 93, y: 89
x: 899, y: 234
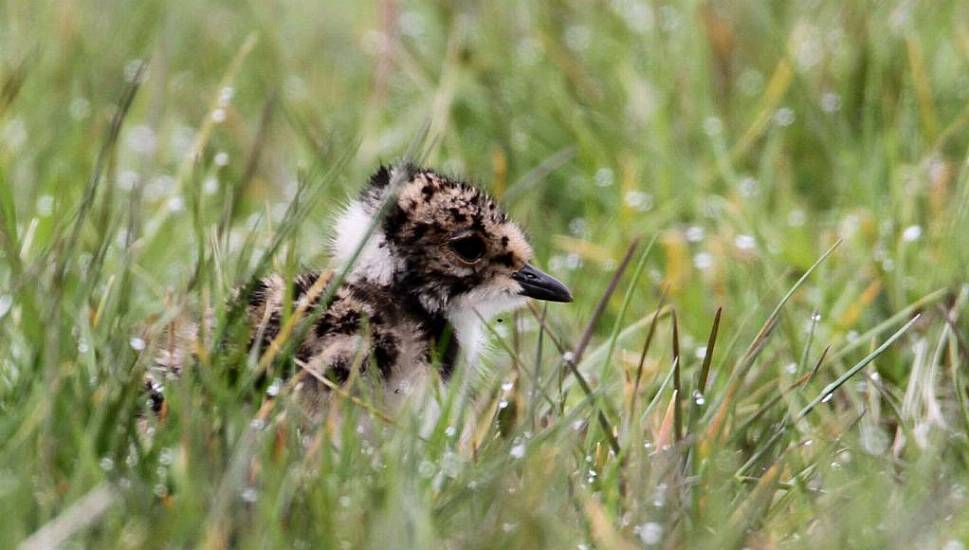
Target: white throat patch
x: 468, y: 313
x: 375, y: 263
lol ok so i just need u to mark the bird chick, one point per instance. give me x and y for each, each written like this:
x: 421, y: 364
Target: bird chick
x: 428, y: 258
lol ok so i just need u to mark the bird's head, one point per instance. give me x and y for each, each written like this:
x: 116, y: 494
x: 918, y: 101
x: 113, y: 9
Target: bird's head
x: 442, y: 240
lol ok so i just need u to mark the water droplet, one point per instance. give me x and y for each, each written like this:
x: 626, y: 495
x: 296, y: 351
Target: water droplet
x: 784, y: 116
x: 703, y: 261
x: 568, y: 357
x: 450, y: 431
x: 273, y: 389
x: 638, y: 200
x: 604, y: 177
x: 694, y: 234
x: 141, y: 139
x: 650, y: 532
x: 748, y: 187
x: 221, y: 158
x: 508, y: 527
x: 745, y: 242
x: 503, y: 404
x: 912, y: 233
x: 698, y: 398
x: 106, y: 464
x: 249, y: 494
x: 518, y: 451
x: 257, y: 424
x: 507, y: 386
x: 827, y: 397
x: 830, y: 102
x: 175, y: 204
x: 218, y: 115
x: 137, y: 344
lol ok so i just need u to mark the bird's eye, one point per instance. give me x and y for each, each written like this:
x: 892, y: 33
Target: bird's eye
x: 469, y: 248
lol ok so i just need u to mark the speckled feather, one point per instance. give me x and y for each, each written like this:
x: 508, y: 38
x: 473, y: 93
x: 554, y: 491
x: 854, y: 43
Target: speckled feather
x: 412, y: 302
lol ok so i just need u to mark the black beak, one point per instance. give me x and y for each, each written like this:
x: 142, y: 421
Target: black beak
x: 542, y: 286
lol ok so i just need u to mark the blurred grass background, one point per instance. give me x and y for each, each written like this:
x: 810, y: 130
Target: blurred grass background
x: 747, y: 138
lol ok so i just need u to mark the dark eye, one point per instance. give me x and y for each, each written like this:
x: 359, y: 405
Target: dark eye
x: 470, y: 248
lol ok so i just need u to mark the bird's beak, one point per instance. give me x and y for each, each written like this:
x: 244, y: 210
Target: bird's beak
x: 540, y: 285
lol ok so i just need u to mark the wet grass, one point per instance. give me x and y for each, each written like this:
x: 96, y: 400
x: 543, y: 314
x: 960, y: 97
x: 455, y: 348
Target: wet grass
x: 760, y: 211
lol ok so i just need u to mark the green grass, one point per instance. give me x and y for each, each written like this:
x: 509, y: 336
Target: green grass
x: 745, y: 141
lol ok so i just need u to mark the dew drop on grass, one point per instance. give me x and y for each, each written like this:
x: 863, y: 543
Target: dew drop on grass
x: 450, y: 431
x: 106, y: 464
x: 518, y: 451
x: 249, y: 495
x: 137, y: 344
x: 604, y: 177
x: 508, y: 527
x: 650, y: 532
x: 784, y: 116
x: 703, y: 261
x: 503, y: 404
x: 698, y: 398
x: 745, y: 242
x: 273, y: 389
x: 912, y: 233
x: 694, y: 234
x: 257, y: 424
x: 507, y: 386
x: 827, y: 397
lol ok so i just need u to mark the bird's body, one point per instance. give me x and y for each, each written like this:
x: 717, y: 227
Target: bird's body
x: 427, y: 259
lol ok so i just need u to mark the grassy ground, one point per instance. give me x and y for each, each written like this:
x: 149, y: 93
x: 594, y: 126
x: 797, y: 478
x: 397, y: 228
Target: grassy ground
x: 156, y: 154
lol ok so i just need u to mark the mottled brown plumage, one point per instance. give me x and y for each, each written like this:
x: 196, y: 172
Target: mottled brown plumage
x: 419, y: 281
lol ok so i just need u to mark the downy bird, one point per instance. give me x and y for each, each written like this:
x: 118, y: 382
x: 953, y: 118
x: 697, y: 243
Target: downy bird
x: 428, y: 259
